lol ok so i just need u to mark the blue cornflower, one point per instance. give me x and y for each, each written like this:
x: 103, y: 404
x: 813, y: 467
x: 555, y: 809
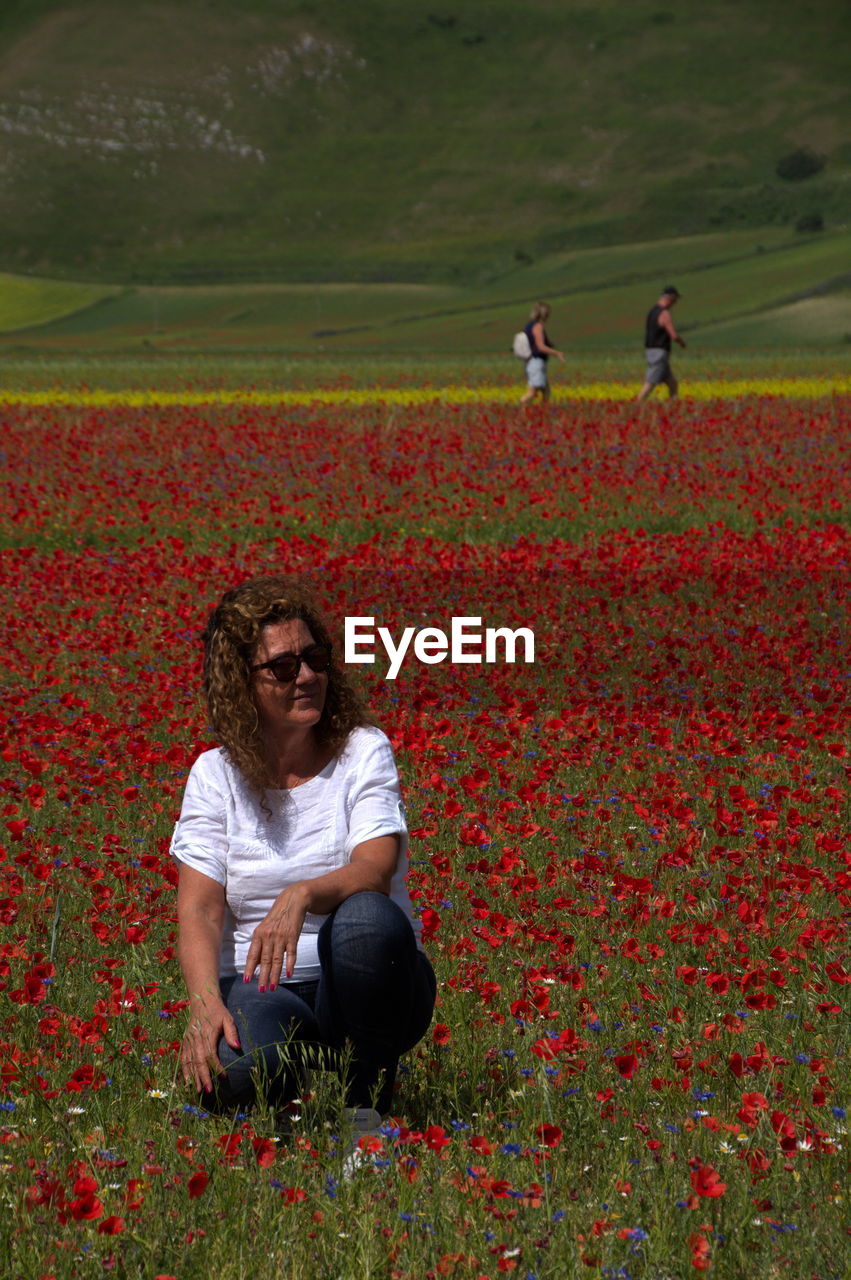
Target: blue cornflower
x: 635, y: 1237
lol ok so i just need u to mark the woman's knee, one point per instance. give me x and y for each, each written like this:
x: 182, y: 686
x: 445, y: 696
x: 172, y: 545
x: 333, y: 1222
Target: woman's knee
x: 367, y: 905
x: 367, y: 923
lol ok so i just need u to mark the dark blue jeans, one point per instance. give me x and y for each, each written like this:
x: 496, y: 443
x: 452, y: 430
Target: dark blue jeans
x: 375, y: 999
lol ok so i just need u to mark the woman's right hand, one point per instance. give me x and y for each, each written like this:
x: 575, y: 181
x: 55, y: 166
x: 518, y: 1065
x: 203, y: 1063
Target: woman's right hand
x: 199, y: 1057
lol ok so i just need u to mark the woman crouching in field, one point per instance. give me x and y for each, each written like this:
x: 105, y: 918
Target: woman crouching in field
x: 296, y: 931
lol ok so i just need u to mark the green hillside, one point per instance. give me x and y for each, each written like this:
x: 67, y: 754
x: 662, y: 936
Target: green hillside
x: 740, y: 289
x: 26, y: 303
x: 448, y: 143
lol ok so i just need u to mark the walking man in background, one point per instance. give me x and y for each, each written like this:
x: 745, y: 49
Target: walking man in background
x: 659, y: 334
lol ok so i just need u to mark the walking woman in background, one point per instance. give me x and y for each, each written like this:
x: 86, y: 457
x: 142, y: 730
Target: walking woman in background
x: 541, y: 349
x: 297, y: 938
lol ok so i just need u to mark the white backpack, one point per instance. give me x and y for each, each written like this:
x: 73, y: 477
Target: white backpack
x: 521, y: 346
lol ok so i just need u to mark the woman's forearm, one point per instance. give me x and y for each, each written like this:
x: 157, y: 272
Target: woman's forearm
x: 198, y: 948
x: 327, y: 892
x: 201, y: 921
x: 371, y: 869
x: 209, y: 1019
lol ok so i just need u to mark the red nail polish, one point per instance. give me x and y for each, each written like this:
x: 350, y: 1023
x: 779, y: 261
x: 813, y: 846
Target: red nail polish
x: 261, y: 988
x: 271, y: 986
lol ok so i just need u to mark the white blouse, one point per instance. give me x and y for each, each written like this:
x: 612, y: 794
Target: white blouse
x: 224, y: 833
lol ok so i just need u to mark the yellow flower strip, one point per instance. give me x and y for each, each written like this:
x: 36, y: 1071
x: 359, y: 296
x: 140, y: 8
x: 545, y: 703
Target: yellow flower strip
x: 717, y: 389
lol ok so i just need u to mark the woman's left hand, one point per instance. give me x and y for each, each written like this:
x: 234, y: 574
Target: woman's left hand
x: 274, y: 943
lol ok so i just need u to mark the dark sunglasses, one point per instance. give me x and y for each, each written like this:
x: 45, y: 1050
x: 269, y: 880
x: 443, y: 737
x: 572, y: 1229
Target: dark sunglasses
x: 287, y: 666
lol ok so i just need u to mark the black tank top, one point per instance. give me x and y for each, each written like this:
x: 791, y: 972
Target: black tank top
x: 536, y: 351
x: 654, y: 334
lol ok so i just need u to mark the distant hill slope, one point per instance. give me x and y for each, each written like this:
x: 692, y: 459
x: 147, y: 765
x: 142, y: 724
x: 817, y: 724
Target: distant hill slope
x: 441, y: 141
x: 754, y: 289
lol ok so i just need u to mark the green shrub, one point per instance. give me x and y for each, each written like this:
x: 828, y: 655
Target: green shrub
x: 800, y: 164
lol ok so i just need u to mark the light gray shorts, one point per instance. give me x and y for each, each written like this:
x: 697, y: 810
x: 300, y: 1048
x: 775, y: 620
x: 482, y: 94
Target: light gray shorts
x: 536, y: 373
x: 658, y: 365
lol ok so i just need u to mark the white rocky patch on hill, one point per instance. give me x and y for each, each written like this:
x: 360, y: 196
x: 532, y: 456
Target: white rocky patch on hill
x: 308, y: 58
x: 108, y: 124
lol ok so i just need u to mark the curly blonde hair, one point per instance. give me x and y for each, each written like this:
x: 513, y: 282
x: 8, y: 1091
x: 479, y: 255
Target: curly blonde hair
x: 230, y: 644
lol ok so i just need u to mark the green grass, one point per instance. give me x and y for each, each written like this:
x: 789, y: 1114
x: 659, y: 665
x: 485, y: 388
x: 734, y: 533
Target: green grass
x: 26, y: 303
x: 747, y: 289
x: 178, y: 371
x: 810, y: 321
x: 207, y: 140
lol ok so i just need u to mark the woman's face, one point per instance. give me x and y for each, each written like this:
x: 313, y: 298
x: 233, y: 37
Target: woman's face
x: 295, y: 705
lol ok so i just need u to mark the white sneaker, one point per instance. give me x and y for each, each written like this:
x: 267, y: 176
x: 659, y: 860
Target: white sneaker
x: 360, y: 1122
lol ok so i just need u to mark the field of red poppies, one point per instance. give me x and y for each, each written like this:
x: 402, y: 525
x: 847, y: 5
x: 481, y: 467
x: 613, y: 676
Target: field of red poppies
x: 630, y: 856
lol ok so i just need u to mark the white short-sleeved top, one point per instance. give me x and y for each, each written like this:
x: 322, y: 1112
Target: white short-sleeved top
x: 224, y: 833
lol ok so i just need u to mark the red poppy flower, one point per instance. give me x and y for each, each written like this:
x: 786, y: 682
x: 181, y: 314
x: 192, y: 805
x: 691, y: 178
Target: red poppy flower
x: 706, y: 1181
x: 111, y: 1226
x: 627, y: 1064
x: 435, y: 1138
